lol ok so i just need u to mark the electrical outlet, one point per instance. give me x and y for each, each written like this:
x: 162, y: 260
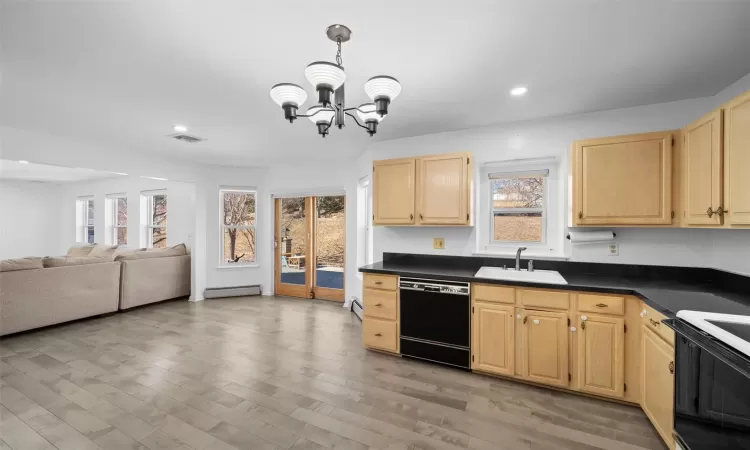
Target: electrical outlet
x: 614, y: 250
x: 438, y: 243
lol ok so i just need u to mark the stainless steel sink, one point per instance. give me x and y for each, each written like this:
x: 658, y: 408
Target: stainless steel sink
x: 537, y: 276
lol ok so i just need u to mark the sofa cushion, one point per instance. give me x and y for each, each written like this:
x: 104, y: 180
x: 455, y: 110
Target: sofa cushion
x: 64, y: 261
x: 106, y: 251
x: 80, y: 250
x: 28, y: 263
x: 177, y: 250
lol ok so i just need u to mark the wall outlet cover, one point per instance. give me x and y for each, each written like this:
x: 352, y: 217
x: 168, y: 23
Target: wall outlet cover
x: 438, y: 243
x: 614, y: 250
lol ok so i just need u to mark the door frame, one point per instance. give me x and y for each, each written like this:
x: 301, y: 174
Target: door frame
x: 309, y: 289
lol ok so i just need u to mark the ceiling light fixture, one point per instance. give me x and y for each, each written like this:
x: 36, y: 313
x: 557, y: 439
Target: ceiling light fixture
x: 519, y: 91
x: 328, y: 80
x: 180, y: 128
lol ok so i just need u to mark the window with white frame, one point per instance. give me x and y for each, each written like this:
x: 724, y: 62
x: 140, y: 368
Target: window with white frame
x: 364, y: 224
x: 85, y: 220
x: 155, y: 203
x: 518, y: 207
x: 117, y: 223
x: 238, y: 220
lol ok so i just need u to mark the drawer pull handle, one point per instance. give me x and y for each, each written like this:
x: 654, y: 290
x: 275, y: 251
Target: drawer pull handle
x: 525, y: 319
x: 378, y: 334
x: 378, y: 304
x: 583, y: 325
x: 671, y: 367
x: 653, y: 322
x: 601, y: 305
x: 378, y: 282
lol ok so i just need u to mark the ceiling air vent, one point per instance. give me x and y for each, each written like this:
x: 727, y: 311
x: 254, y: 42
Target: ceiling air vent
x: 184, y: 137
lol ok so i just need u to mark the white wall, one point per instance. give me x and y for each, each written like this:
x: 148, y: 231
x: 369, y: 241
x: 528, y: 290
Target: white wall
x: 29, y: 218
x: 552, y: 137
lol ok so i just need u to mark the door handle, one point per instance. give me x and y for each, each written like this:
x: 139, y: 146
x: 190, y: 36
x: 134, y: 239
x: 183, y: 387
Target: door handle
x: 671, y: 367
x: 525, y: 319
x: 378, y: 334
x: 710, y: 212
x: 411, y: 216
x: 583, y: 325
x: 653, y: 322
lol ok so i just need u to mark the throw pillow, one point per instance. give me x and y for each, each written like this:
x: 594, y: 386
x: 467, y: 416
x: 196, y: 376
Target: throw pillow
x: 65, y: 261
x: 80, y: 250
x: 28, y: 263
x: 105, y: 251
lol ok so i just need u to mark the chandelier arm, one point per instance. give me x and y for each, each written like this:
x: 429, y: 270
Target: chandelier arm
x: 329, y: 124
x: 354, y: 108
x: 357, y: 121
x: 311, y: 115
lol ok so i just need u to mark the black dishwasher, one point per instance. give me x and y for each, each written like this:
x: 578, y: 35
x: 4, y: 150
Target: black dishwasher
x: 436, y: 321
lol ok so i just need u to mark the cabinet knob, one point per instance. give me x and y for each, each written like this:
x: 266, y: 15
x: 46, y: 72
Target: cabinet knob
x: 572, y: 328
x: 721, y: 211
x: 584, y: 318
x: 671, y: 367
x: 580, y: 215
x: 536, y: 322
x: 710, y: 212
x: 411, y: 216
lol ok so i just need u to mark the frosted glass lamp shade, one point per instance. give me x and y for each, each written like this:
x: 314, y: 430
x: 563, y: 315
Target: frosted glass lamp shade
x: 325, y: 74
x: 367, y: 113
x: 323, y: 117
x: 288, y: 94
x: 383, y: 87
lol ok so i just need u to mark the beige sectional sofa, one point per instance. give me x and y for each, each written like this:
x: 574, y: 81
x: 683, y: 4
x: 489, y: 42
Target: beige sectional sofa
x: 88, y: 281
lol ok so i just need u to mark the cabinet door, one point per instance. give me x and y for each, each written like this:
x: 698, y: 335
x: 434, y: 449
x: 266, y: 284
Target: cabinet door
x: 493, y: 338
x: 703, y: 170
x: 601, y: 355
x: 393, y: 189
x: 737, y: 160
x: 657, y: 383
x: 624, y: 180
x: 443, y: 189
x: 545, y: 347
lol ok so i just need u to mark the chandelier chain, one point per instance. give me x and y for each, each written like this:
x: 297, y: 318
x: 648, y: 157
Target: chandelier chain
x: 339, y: 61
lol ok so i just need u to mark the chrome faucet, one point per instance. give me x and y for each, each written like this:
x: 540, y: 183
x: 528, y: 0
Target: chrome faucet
x: 518, y: 257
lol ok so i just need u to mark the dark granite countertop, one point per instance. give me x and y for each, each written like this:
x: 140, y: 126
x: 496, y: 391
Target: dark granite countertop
x: 666, y: 289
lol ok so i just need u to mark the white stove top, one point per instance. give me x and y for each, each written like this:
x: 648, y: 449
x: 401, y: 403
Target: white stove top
x: 733, y: 330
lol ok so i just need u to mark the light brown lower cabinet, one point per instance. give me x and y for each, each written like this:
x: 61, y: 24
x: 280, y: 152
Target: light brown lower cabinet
x: 657, y: 383
x: 601, y: 355
x: 380, y: 321
x: 493, y: 338
x: 544, y: 347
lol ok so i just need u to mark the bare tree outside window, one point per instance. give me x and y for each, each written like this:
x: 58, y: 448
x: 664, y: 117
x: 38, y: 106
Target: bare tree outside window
x: 157, y: 221
x: 238, y: 220
x: 518, y: 208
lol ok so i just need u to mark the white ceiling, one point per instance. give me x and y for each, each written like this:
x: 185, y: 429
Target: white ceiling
x: 14, y: 170
x: 125, y: 72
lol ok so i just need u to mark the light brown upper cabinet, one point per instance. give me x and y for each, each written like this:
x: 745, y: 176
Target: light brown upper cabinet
x: 737, y: 160
x: 601, y: 355
x: 702, y: 149
x: 442, y: 189
x: 393, y: 189
x: 624, y: 180
x: 429, y: 190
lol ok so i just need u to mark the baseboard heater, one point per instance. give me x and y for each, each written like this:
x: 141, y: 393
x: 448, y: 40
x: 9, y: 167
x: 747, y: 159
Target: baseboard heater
x: 357, y: 308
x: 234, y: 291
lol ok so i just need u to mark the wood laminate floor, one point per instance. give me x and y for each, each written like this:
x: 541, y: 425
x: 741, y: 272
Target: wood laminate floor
x: 271, y: 373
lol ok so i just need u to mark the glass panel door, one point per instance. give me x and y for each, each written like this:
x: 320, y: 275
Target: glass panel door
x: 330, y: 242
x: 292, y: 246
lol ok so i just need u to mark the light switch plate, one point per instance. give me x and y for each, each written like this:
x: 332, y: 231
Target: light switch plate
x: 614, y: 250
x: 438, y: 243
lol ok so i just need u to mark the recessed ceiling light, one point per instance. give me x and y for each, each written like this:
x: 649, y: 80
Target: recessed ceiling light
x: 519, y: 91
x: 23, y: 162
x: 179, y: 128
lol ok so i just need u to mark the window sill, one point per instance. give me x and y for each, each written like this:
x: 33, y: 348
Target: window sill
x: 238, y: 266
x: 524, y: 255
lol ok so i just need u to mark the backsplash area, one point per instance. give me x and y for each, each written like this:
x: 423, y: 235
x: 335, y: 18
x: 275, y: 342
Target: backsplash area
x: 723, y: 249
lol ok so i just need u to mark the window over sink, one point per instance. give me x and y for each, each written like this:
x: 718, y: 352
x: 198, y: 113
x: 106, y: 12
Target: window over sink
x: 521, y: 206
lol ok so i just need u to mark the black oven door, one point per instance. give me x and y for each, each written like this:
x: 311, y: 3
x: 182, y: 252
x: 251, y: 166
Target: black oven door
x: 712, y: 392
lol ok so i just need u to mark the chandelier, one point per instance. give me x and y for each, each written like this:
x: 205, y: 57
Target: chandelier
x: 328, y: 79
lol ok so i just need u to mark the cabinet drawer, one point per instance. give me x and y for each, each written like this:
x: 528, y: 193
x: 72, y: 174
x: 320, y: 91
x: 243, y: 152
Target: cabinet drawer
x: 652, y: 320
x: 543, y: 299
x: 604, y: 304
x: 387, y: 282
x: 380, y: 304
x: 380, y: 334
x: 493, y: 293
